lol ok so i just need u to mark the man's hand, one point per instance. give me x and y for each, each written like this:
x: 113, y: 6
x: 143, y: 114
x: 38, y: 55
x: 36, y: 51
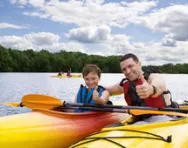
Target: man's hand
x: 144, y: 90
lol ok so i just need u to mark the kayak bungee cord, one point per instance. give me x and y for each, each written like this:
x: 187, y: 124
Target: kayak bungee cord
x: 109, y: 138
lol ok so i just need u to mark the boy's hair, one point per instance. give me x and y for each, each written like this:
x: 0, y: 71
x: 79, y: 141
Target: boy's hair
x: 91, y: 68
x: 129, y: 55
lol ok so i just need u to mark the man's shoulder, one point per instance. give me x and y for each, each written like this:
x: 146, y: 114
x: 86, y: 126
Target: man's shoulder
x: 154, y: 76
x: 124, y: 80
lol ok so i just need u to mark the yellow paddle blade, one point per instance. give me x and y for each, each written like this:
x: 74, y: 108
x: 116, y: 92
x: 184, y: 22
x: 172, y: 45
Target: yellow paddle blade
x: 40, y: 101
x: 141, y: 112
x: 13, y: 104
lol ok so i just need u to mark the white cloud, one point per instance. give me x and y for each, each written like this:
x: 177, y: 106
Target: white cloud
x: 90, y: 34
x: 72, y: 46
x: 23, y: 3
x: 16, y: 42
x: 37, y: 3
x: 39, y: 41
x: 42, y: 38
x: 91, y: 12
x: 168, y: 41
x: 155, y: 53
x: 173, y: 21
x: 7, y: 25
x: 95, y: 21
x: 102, y: 40
x: 120, y: 44
x: 149, y: 53
x: 94, y: 2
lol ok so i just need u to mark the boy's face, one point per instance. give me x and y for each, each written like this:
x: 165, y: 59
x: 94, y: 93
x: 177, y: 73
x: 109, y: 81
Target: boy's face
x: 91, y: 80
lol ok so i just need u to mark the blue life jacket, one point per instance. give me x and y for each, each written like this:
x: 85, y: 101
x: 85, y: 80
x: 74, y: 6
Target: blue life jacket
x: 86, y: 97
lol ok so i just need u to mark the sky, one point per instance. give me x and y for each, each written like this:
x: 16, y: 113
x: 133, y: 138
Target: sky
x: 155, y: 30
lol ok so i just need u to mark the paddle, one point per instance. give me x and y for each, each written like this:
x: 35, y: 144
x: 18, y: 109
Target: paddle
x: 135, y: 110
x: 13, y: 104
x: 37, y: 101
x: 126, y: 107
x: 130, y: 110
x: 47, y: 102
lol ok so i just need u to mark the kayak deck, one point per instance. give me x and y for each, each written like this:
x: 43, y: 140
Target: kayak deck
x: 169, y: 134
x: 51, y: 129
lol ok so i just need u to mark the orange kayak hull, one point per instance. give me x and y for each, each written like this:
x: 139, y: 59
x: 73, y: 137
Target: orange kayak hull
x: 51, y: 129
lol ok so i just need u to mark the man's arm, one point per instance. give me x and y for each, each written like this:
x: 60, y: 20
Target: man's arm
x: 115, y: 89
x: 153, y: 87
x: 157, y: 83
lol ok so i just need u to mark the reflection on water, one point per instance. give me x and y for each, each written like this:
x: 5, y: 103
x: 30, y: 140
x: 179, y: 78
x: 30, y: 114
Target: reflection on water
x: 15, y: 85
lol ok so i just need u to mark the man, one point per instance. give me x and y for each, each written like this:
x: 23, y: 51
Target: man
x: 140, y: 89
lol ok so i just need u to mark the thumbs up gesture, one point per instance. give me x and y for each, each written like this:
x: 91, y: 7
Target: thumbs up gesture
x: 144, y: 90
x: 95, y: 94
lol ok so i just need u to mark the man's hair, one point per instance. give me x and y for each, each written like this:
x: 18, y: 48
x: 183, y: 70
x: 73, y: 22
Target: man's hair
x: 91, y: 68
x: 129, y: 55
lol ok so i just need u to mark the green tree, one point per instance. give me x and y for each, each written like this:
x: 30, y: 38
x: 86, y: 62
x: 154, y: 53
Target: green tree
x: 6, y: 61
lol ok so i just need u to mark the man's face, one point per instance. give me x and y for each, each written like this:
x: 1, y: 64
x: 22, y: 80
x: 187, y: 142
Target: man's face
x: 131, y: 69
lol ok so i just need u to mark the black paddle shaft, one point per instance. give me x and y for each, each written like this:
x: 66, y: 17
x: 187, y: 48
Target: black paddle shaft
x: 112, y: 107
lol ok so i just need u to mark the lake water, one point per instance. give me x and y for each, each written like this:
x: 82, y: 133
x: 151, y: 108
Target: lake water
x: 15, y: 85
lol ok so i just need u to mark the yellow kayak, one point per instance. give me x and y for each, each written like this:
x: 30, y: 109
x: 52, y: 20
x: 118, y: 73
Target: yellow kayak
x: 168, y: 134
x: 44, y: 128
x: 72, y: 76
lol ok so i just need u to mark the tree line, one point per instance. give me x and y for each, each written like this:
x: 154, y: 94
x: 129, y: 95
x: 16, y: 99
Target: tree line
x: 12, y: 60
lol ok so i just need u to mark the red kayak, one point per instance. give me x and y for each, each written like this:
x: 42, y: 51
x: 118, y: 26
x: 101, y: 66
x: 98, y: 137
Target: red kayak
x: 44, y: 128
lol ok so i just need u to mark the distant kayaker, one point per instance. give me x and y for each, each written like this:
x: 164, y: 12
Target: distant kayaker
x: 59, y: 74
x: 68, y: 74
x: 92, y: 92
x: 141, y: 89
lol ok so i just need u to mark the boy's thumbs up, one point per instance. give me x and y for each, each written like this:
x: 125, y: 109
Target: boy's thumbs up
x: 95, y: 94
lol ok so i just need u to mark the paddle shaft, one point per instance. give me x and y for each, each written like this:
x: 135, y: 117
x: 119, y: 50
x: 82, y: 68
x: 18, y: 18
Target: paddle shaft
x: 132, y: 111
x: 93, y: 109
x: 48, y: 102
x: 126, y: 107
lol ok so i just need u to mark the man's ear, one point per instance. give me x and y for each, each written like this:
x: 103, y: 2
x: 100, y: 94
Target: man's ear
x: 139, y: 63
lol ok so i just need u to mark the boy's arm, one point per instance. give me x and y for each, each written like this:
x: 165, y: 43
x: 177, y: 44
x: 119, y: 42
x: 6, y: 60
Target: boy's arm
x: 103, y: 99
